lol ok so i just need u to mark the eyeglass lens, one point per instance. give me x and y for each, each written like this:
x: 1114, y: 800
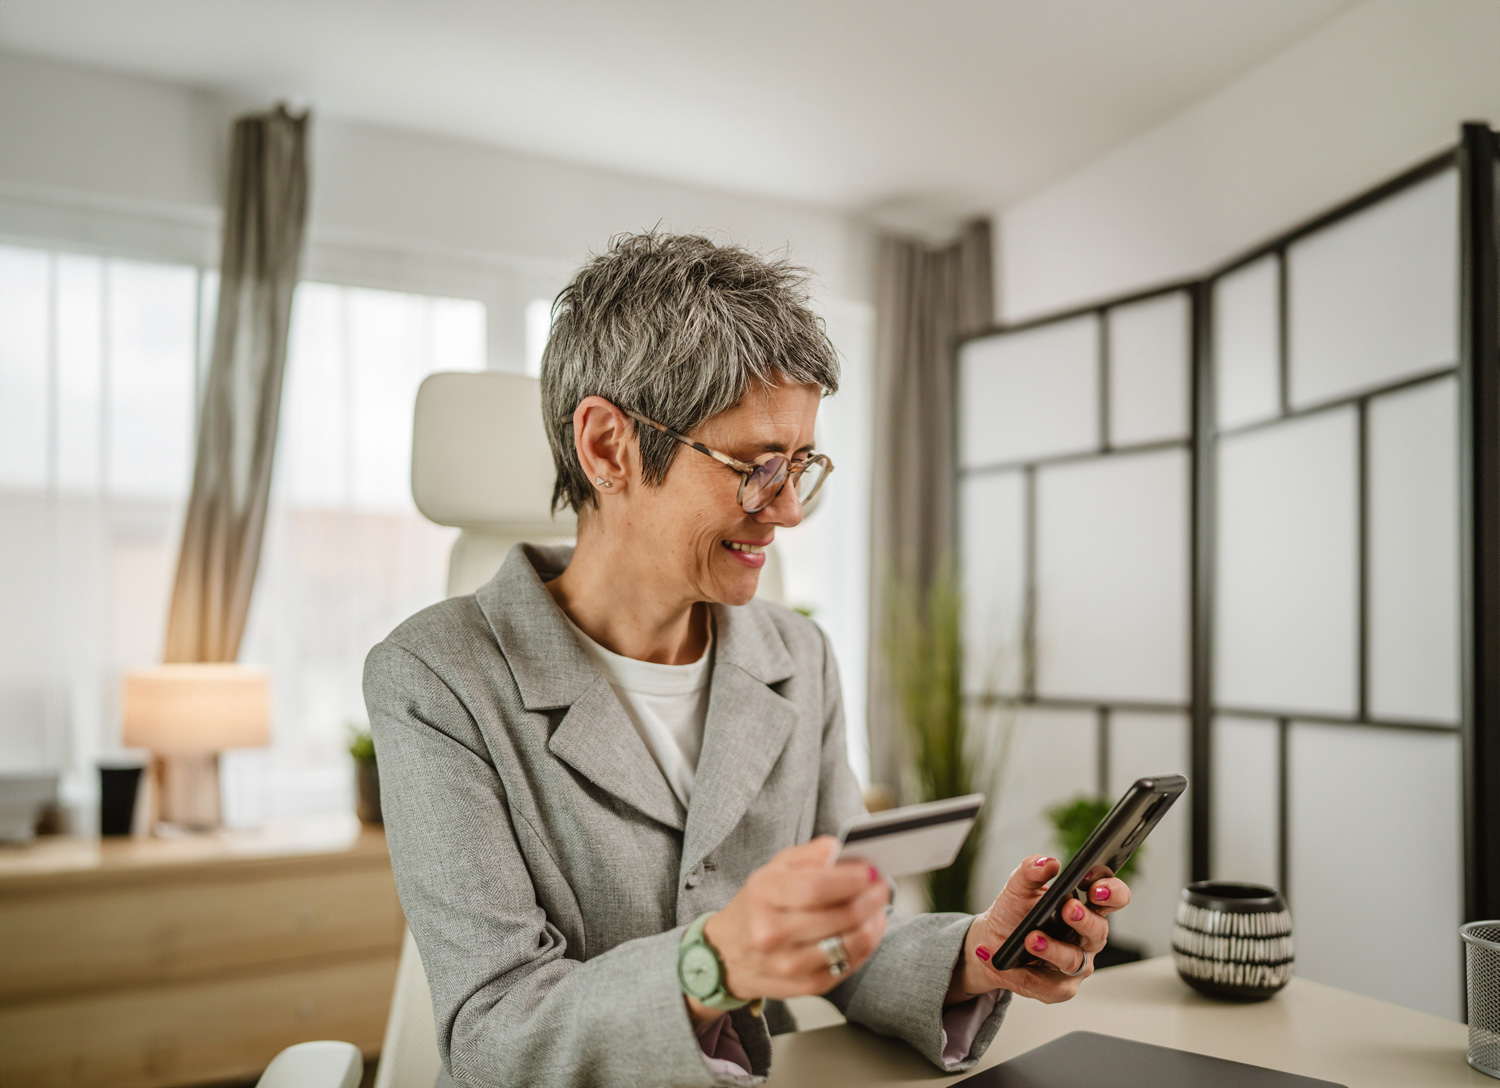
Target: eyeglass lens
x: 766, y: 481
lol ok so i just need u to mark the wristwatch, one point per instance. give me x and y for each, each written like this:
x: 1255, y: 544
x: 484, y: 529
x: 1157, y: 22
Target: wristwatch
x: 700, y: 972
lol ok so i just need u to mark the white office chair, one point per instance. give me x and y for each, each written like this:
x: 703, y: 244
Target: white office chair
x: 323, y: 1064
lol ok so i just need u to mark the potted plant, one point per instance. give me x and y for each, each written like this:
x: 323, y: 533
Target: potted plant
x: 366, y: 774
x: 953, y: 746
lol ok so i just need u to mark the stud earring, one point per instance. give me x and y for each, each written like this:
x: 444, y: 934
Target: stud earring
x: 600, y: 480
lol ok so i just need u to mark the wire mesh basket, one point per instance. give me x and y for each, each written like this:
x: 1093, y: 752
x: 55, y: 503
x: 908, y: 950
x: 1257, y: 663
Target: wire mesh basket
x: 1482, y: 972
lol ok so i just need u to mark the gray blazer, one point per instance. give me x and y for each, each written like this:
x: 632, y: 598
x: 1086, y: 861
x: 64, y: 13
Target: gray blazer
x: 547, y: 870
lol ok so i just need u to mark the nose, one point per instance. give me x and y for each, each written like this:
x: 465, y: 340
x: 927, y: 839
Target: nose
x: 784, y: 510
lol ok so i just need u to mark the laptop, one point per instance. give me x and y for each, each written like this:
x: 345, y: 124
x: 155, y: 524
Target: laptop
x: 1085, y: 1059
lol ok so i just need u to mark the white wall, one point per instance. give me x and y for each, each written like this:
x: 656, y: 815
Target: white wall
x: 1360, y: 99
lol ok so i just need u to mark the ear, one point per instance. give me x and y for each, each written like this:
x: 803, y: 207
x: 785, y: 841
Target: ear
x: 603, y: 437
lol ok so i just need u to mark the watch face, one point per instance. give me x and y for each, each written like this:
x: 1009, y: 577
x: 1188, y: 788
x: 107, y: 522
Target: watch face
x: 698, y: 971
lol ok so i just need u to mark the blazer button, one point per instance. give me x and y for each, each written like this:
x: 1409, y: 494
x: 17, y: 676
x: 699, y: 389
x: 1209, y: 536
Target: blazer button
x: 691, y: 880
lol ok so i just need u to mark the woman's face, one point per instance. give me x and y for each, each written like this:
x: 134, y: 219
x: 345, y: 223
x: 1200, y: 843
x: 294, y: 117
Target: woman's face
x: 694, y: 522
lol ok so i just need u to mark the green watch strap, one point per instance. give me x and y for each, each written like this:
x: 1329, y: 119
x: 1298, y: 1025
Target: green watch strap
x: 720, y: 999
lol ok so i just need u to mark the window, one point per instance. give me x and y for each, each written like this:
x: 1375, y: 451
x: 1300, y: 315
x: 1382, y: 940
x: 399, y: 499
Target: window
x: 101, y: 365
x: 346, y: 556
x: 98, y: 380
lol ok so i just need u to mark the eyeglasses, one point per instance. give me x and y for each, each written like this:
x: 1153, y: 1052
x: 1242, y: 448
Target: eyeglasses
x: 763, y: 480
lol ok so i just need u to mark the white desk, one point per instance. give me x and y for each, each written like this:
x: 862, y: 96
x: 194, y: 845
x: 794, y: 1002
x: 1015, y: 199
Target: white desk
x: 1308, y: 1028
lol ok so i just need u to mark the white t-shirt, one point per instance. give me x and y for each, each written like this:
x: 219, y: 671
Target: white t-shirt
x: 667, y: 704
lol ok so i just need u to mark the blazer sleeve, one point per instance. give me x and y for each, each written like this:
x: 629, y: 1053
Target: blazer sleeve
x: 509, y: 1006
x: 899, y: 990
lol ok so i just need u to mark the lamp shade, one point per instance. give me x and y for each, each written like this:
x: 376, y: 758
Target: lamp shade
x: 197, y: 708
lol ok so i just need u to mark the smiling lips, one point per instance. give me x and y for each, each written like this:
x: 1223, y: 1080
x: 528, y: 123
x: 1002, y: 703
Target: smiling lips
x: 750, y: 553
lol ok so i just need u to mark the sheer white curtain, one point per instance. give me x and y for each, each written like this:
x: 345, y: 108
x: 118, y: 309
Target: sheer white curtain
x: 100, y: 373
x: 346, y: 555
x: 99, y: 365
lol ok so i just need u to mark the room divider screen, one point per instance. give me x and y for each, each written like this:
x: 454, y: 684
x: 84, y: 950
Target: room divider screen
x: 1248, y: 528
x: 1076, y: 432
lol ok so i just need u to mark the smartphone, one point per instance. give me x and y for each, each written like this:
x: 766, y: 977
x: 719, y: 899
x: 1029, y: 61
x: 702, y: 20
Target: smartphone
x: 1102, y: 856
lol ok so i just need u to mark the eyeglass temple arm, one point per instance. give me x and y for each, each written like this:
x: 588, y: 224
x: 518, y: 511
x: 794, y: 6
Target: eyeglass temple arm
x: 722, y: 458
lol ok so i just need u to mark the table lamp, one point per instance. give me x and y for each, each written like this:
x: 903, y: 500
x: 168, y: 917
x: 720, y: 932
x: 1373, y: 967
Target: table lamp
x: 186, y: 715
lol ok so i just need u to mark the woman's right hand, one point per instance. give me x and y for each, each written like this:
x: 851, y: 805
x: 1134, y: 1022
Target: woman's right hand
x: 768, y: 934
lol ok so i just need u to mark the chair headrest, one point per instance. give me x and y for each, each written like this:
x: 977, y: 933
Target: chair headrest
x: 479, y: 456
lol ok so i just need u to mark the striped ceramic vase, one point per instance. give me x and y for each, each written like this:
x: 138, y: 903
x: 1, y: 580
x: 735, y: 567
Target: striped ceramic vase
x: 1233, y: 941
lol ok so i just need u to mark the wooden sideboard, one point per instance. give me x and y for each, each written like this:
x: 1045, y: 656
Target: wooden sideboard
x: 153, y: 962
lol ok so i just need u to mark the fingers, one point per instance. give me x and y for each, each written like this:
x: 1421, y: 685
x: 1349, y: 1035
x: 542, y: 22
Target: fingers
x: 818, y: 851
x: 768, y: 935
x: 1032, y: 874
x: 777, y: 928
x: 810, y: 962
x: 817, y: 888
x: 1066, y: 958
x: 1108, y: 896
x: 1044, y: 984
x: 1090, y: 925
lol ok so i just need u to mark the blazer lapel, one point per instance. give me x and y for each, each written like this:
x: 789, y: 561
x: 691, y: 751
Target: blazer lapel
x: 595, y: 737
x: 598, y: 740
x: 748, y: 725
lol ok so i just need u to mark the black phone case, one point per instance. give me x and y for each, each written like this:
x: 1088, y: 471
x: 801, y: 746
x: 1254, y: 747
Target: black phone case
x: 1107, y: 850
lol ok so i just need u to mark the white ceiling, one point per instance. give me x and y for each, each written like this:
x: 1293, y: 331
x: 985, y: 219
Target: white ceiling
x: 880, y: 106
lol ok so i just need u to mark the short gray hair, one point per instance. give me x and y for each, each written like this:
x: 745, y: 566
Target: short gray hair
x: 676, y: 328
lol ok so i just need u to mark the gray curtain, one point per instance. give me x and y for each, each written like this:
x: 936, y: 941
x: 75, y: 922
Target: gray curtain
x: 926, y: 298
x: 264, y: 219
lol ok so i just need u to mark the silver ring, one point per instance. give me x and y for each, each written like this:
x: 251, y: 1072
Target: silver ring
x: 838, y: 956
x: 1075, y: 974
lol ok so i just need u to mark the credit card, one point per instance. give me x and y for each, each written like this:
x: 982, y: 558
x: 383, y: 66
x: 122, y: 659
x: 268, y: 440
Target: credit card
x: 914, y: 839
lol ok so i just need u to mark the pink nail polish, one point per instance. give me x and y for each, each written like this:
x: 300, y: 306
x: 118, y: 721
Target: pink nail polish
x: 983, y: 953
x: 1042, y: 861
x: 1077, y: 912
x: 1041, y: 943
x: 874, y: 874
x: 1101, y: 893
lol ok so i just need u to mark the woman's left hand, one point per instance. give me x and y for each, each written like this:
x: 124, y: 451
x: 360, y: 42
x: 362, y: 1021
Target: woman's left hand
x: 1054, y: 980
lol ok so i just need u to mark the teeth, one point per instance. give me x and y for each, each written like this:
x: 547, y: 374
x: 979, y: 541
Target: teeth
x: 752, y: 549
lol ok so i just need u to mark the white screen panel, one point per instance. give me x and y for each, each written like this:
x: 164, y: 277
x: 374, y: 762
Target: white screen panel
x: 1246, y: 335
x: 1245, y: 801
x: 1030, y: 394
x: 1141, y: 745
x: 1285, y: 620
x: 1112, y: 578
x: 1376, y: 891
x: 1414, y: 670
x: 1052, y: 759
x: 1375, y: 296
x: 1149, y: 369
x: 993, y: 557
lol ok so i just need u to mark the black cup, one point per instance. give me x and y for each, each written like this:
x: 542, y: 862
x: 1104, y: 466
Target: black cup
x: 1233, y: 941
x: 118, y: 786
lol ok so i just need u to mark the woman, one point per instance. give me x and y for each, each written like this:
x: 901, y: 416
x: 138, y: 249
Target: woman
x: 610, y: 777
